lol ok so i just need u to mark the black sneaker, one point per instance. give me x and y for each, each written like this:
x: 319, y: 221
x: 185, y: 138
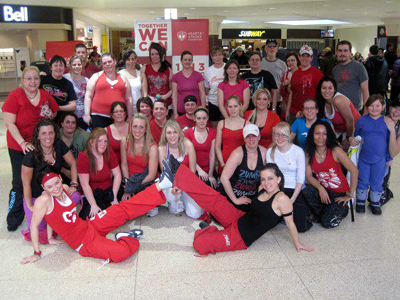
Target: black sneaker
x: 166, y: 178
x: 375, y: 210
x: 12, y: 228
x: 136, y: 233
x: 360, y: 209
x: 203, y: 225
x: 173, y: 163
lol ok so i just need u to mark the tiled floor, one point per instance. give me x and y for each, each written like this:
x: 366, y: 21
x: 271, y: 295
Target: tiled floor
x: 358, y: 260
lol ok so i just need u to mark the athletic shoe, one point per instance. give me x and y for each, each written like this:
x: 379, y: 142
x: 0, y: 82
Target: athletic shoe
x: 136, y: 233
x: 12, y: 228
x: 375, y: 210
x: 173, y: 163
x: 153, y: 212
x: 360, y: 209
x: 203, y: 225
x: 166, y: 178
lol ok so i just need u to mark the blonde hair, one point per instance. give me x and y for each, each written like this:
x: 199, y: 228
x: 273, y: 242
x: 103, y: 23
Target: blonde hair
x: 26, y: 70
x: 257, y: 93
x: 238, y: 101
x: 71, y: 60
x: 284, y: 127
x: 148, y: 138
x: 174, y: 125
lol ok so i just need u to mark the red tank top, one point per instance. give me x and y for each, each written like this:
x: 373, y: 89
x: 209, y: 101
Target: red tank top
x: 329, y: 174
x: 136, y: 164
x: 202, y: 150
x: 114, y: 144
x: 105, y: 95
x: 158, y: 83
x: 231, y: 139
x: 63, y: 220
x: 337, y: 120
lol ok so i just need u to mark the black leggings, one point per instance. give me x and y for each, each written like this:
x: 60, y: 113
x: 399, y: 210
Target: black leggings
x: 301, y: 213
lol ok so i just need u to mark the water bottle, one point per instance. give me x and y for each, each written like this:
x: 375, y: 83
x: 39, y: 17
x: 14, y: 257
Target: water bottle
x: 179, y: 203
x: 158, y: 96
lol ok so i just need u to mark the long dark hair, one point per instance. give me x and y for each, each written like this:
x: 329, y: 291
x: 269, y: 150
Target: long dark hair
x: 277, y: 172
x: 162, y: 53
x: 126, y: 56
x: 227, y: 65
x: 331, y: 141
x: 321, y: 100
x: 35, y: 137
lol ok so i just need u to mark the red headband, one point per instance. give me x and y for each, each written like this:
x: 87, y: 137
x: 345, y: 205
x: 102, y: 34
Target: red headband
x: 48, y: 176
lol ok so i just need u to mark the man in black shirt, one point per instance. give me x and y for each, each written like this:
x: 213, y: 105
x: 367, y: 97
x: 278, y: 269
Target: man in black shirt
x: 258, y: 78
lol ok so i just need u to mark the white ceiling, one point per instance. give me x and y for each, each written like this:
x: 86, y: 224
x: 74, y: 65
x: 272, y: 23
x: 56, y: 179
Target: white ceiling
x: 123, y: 13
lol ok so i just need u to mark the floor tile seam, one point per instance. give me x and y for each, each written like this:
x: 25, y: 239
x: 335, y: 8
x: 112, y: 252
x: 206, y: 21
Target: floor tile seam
x: 305, y: 286
x: 66, y: 277
x: 213, y: 271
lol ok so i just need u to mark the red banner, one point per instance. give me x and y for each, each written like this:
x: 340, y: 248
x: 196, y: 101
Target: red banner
x: 190, y: 35
x: 65, y: 49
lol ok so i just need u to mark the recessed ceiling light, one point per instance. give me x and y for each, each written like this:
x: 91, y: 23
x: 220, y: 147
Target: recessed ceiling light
x: 347, y: 9
x: 186, y: 14
x: 325, y: 5
x: 388, y: 2
x: 193, y: 8
x: 308, y: 22
x: 254, y: 14
x: 226, y: 10
x: 365, y: 13
x: 151, y: 12
x: 272, y: 8
x: 233, y: 22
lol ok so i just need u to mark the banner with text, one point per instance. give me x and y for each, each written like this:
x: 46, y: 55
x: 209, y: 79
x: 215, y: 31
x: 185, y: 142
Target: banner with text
x: 175, y: 36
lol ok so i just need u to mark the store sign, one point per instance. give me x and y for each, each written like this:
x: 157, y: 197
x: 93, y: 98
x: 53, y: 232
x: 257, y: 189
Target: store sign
x: 251, y: 33
x: 9, y: 15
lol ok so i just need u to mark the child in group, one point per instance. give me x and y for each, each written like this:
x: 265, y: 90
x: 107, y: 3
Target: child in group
x: 374, y: 154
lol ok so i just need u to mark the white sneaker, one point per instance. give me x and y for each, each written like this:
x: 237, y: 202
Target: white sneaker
x: 153, y: 212
x: 136, y: 233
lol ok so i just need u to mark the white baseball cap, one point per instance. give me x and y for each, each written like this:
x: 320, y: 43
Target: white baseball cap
x: 251, y: 129
x: 306, y: 50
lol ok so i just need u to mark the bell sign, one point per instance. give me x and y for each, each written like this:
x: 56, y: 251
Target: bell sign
x: 17, y: 16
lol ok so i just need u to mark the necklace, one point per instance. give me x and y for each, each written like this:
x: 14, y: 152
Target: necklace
x: 48, y: 154
x: 323, y: 154
x: 29, y: 97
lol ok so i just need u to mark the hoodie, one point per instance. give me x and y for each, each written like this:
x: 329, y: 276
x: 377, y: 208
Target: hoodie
x: 378, y: 73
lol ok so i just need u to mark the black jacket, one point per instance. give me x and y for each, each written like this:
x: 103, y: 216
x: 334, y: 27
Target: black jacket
x: 378, y: 74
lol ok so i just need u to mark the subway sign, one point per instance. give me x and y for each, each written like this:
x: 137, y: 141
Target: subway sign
x: 251, y: 33
x: 13, y: 15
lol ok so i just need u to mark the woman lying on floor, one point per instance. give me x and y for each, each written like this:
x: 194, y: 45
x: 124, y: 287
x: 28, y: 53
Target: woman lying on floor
x: 240, y: 229
x: 88, y: 237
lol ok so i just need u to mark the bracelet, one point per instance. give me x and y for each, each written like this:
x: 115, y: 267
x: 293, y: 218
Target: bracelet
x: 74, y: 184
x: 37, y: 253
x: 23, y: 142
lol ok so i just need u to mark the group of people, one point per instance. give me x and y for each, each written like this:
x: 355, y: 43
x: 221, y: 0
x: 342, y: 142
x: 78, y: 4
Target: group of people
x: 221, y: 147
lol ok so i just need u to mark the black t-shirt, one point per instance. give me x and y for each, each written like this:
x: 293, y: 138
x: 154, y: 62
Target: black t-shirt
x: 264, y: 79
x: 61, y: 90
x: 29, y: 161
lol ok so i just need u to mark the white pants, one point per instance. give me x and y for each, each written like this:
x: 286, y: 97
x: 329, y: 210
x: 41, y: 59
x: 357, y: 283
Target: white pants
x: 192, y: 209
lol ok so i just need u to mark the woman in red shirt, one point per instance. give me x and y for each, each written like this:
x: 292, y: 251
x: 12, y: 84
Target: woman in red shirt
x: 232, y: 85
x: 118, y: 129
x: 104, y: 88
x: 203, y: 139
x: 139, y: 152
x: 145, y: 106
x: 99, y: 174
x: 293, y: 63
x: 158, y: 74
x: 22, y: 110
x: 265, y: 120
x: 328, y: 192
x: 229, y: 132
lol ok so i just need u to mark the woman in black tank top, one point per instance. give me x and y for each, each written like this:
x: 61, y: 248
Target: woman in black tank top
x: 240, y: 229
x: 241, y: 176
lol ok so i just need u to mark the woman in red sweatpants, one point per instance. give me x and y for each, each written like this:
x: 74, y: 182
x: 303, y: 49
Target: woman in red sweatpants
x: 88, y: 237
x: 240, y: 229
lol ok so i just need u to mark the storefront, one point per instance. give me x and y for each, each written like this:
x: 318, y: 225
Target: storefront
x: 24, y: 31
x: 248, y: 38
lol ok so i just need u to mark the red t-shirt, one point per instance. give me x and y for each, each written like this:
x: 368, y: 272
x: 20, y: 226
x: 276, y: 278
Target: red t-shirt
x: 304, y: 86
x: 236, y: 89
x: 266, y: 132
x: 101, y: 179
x: 202, y: 150
x: 156, y: 131
x: 27, y: 115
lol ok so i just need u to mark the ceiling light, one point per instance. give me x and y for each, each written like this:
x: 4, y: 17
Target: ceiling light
x: 226, y: 11
x: 151, y: 12
x: 388, y: 2
x: 233, y: 22
x: 325, y: 5
x: 308, y: 22
x: 193, y: 8
x: 272, y: 8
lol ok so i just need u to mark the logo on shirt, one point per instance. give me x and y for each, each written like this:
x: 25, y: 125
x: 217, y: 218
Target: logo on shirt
x: 55, y: 92
x: 329, y: 179
x: 227, y: 241
x: 45, y: 111
x: 70, y: 216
